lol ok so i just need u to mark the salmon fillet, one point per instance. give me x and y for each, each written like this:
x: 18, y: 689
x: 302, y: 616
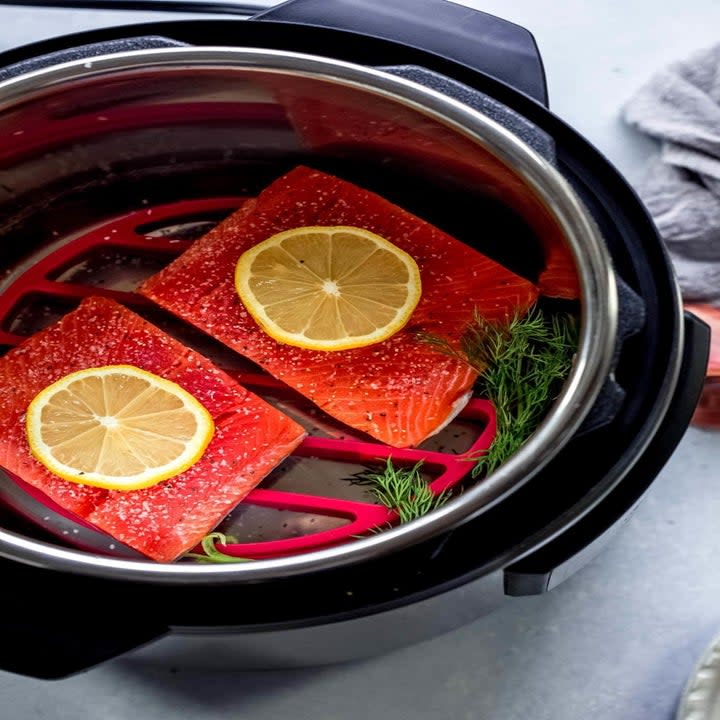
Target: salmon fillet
x: 168, y: 519
x: 399, y: 391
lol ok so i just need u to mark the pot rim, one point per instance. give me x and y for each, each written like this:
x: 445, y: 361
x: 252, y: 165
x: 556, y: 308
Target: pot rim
x: 598, y: 314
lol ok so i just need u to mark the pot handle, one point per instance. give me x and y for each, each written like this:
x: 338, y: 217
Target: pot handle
x: 472, y: 38
x: 555, y: 562
x: 45, y: 633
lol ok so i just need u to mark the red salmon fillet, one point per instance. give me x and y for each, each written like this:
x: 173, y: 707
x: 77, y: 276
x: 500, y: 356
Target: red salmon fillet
x: 170, y: 518
x: 399, y: 391
x: 340, y: 121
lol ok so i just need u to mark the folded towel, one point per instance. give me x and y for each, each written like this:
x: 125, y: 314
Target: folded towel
x: 680, y: 106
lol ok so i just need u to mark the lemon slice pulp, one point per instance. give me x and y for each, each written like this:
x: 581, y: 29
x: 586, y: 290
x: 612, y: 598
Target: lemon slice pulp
x: 117, y: 427
x: 328, y: 288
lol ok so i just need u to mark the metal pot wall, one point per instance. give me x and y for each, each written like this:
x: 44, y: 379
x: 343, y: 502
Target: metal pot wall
x: 177, y: 111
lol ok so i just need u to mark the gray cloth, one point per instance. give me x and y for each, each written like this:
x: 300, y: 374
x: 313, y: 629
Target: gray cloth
x: 680, y: 106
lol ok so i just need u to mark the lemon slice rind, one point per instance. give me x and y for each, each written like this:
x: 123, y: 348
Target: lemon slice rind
x: 300, y: 290
x: 193, y: 451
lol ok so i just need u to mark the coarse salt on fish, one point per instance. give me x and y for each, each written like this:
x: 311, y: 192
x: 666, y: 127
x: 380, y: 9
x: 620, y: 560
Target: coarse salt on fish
x: 168, y: 519
x: 399, y: 391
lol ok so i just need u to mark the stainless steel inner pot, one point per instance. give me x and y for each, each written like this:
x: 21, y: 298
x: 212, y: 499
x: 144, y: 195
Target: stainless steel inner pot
x: 165, y: 109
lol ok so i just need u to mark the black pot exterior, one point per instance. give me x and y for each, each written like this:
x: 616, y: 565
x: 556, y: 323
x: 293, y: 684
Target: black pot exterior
x: 443, y: 583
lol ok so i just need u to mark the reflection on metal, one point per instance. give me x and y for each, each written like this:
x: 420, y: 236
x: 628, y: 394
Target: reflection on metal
x: 117, y: 82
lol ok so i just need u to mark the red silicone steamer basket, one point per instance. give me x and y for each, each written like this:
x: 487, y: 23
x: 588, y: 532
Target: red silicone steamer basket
x: 137, y: 243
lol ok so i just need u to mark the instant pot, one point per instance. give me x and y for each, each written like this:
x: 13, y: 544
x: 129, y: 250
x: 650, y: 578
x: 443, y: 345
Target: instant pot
x: 129, y: 119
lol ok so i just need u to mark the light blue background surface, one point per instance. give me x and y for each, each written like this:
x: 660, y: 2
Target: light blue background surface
x: 618, y: 640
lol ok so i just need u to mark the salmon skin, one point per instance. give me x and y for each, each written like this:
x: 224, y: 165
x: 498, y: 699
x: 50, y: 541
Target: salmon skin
x: 399, y: 391
x: 170, y: 518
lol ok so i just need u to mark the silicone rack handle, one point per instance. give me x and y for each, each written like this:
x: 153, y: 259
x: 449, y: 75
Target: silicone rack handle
x: 472, y: 38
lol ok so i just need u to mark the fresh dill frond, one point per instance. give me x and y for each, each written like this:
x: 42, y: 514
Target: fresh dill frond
x: 403, y: 490
x: 212, y: 554
x: 521, y: 364
x: 526, y: 360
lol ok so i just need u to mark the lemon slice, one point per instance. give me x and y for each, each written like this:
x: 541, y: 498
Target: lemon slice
x: 117, y: 427
x: 328, y: 288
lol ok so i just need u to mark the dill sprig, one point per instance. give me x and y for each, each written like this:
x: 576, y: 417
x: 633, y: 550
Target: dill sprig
x: 212, y: 554
x: 521, y: 364
x: 526, y: 362
x: 402, y: 490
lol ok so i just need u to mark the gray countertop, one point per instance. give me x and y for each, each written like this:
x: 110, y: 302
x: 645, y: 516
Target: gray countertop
x: 616, y: 641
